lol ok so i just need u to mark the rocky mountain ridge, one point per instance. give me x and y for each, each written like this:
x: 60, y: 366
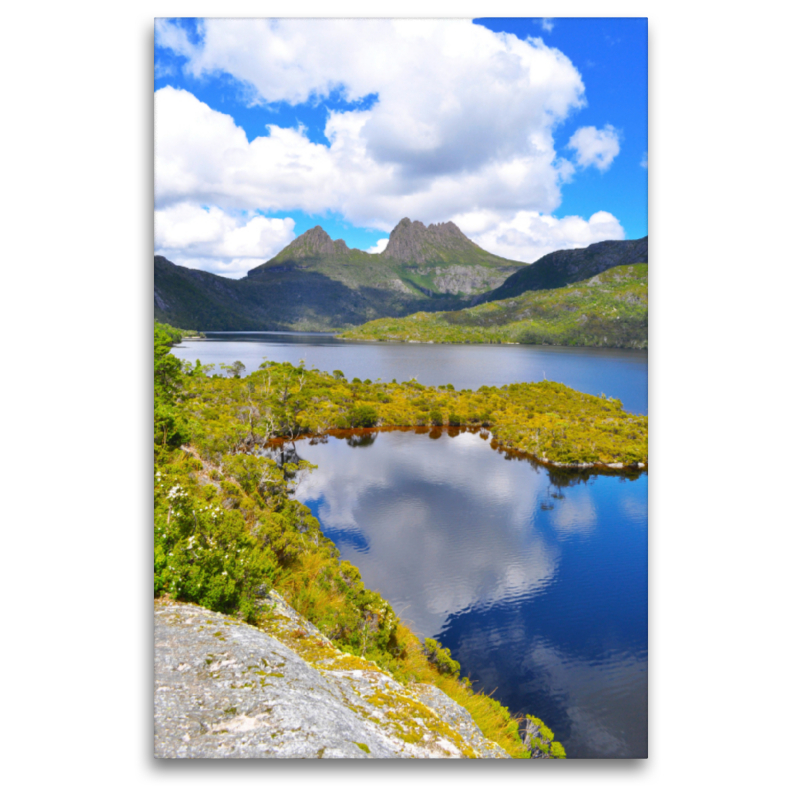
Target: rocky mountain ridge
x: 413, y: 245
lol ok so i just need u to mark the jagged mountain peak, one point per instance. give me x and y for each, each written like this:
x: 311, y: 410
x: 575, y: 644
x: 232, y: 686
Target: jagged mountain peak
x: 412, y: 244
x: 416, y: 242
x: 317, y: 239
x: 312, y: 243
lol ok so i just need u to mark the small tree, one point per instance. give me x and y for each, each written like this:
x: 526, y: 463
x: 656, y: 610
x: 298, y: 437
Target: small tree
x: 442, y: 658
x: 234, y: 370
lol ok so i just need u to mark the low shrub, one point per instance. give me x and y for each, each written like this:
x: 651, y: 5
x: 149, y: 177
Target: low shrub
x: 363, y: 415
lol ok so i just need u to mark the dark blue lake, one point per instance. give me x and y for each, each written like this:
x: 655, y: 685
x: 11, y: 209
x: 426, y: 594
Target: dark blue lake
x: 616, y: 373
x: 536, y: 581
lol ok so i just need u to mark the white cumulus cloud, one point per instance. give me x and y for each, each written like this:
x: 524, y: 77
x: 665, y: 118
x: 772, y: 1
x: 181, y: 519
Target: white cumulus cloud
x: 643, y: 162
x: 475, y: 143
x: 595, y: 148
x: 451, y: 95
x: 212, y: 239
x: 478, y: 136
x: 528, y: 235
x: 379, y: 247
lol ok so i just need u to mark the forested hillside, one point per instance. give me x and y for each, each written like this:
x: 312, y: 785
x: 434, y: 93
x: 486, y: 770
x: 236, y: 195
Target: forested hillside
x: 608, y: 310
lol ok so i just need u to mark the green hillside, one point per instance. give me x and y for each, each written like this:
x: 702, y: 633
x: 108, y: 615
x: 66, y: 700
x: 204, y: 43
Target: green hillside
x: 607, y: 310
x: 564, y: 267
x: 302, y: 300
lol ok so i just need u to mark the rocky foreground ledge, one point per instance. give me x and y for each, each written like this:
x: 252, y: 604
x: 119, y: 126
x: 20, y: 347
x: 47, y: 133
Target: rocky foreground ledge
x: 224, y: 689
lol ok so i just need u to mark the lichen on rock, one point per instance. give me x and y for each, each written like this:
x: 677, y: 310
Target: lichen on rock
x: 224, y: 689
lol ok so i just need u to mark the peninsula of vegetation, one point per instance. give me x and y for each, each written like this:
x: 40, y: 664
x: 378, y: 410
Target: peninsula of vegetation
x: 606, y: 310
x: 227, y: 530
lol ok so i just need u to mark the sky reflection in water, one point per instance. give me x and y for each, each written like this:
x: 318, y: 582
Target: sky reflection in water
x: 539, y: 589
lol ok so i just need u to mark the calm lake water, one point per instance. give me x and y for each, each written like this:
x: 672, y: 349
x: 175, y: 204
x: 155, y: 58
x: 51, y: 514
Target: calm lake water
x: 617, y: 373
x: 538, y: 587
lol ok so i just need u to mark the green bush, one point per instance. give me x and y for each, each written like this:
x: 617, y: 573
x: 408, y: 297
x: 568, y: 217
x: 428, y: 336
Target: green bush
x: 204, y: 553
x: 363, y: 416
x: 442, y: 658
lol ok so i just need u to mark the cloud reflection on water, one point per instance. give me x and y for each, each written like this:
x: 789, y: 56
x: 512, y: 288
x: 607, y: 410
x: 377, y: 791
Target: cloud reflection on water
x: 444, y: 530
x: 536, y: 579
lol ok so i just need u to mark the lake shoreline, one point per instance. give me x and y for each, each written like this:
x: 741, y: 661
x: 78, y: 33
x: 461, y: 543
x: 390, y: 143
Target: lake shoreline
x: 592, y: 467
x: 337, y: 335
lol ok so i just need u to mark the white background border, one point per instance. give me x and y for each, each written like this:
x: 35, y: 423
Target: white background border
x: 77, y: 207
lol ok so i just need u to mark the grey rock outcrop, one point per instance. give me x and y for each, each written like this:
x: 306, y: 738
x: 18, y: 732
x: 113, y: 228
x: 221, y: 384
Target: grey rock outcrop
x: 417, y: 243
x: 465, y: 279
x: 224, y: 689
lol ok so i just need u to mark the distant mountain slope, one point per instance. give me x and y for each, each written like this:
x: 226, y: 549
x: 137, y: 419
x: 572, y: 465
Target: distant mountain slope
x: 283, y: 300
x: 197, y: 300
x: 564, y: 267
x: 607, y: 310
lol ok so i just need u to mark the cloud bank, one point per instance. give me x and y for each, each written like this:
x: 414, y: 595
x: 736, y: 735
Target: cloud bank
x: 528, y: 235
x: 461, y: 122
x: 211, y: 239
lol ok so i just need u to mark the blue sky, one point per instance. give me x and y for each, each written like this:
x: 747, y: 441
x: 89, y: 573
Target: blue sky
x: 530, y: 134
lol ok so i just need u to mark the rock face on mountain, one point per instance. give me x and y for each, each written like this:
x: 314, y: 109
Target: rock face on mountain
x: 564, y: 267
x: 417, y: 244
x: 224, y: 689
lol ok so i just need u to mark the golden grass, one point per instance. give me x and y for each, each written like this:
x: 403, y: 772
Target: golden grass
x: 494, y: 721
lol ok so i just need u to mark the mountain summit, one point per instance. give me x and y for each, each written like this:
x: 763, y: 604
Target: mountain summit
x: 315, y: 242
x: 422, y: 260
x: 413, y: 245
x: 417, y: 243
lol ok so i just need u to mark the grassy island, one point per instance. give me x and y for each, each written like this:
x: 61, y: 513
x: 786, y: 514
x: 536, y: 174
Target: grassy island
x: 608, y: 310
x: 227, y: 529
